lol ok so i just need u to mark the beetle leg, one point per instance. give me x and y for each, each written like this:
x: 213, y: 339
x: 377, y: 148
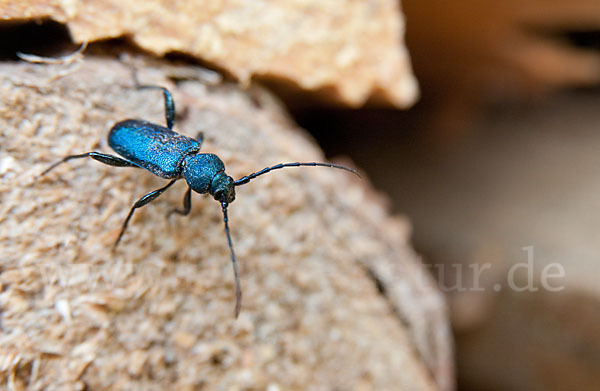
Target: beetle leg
x: 169, y: 102
x: 200, y: 137
x: 111, y: 160
x: 141, y: 202
x: 187, y: 204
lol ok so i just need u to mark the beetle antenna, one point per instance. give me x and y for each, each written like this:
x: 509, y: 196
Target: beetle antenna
x: 248, y: 178
x: 238, y: 289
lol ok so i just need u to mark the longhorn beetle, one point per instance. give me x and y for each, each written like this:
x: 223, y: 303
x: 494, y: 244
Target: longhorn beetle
x: 173, y: 156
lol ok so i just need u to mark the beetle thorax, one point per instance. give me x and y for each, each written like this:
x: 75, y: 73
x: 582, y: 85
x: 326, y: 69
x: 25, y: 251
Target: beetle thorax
x: 205, y: 173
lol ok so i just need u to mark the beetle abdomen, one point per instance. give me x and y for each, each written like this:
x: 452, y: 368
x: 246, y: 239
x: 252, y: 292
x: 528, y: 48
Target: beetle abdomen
x: 153, y: 147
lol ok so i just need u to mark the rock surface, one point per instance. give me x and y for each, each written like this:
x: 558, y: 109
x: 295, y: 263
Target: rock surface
x: 348, y: 51
x: 157, y: 312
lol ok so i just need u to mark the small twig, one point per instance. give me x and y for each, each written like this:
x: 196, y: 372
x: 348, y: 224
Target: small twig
x: 68, y: 59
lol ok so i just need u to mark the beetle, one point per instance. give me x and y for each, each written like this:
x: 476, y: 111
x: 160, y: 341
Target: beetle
x: 173, y: 156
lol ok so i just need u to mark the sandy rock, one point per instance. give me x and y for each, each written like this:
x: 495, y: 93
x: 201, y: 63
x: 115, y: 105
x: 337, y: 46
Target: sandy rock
x: 157, y: 312
x: 348, y: 51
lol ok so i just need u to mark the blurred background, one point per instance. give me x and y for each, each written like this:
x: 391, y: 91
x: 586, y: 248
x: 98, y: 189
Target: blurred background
x: 497, y: 165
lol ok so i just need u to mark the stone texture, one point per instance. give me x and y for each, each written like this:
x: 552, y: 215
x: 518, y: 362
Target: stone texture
x: 348, y: 51
x: 157, y: 312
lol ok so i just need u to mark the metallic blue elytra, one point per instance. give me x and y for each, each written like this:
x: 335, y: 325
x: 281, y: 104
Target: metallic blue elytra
x: 171, y: 155
x: 153, y: 147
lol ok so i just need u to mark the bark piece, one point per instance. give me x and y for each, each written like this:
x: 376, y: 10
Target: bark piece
x: 350, y: 50
x: 158, y: 312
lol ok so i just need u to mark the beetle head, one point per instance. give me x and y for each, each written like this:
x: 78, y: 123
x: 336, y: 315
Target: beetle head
x: 205, y: 173
x: 222, y: 188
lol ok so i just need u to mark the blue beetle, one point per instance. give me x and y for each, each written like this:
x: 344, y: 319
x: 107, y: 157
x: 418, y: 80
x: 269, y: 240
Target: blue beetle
x: 173, y: 156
